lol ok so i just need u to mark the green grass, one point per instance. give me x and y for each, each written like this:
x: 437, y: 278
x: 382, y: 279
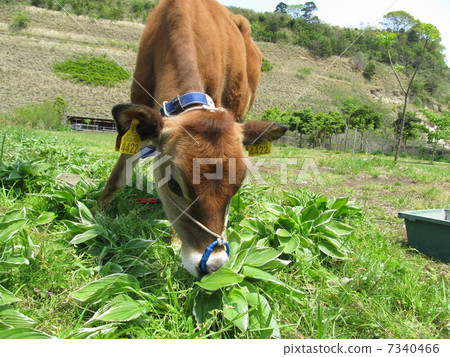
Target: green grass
x: 92, y: 70
x: 304, y: 70
x: 380, y: 288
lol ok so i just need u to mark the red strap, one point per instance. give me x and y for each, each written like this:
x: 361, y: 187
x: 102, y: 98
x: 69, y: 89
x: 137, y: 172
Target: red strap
x: 147, y: 200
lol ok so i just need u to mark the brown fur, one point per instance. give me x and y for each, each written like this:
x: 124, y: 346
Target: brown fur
x: 195, y: 45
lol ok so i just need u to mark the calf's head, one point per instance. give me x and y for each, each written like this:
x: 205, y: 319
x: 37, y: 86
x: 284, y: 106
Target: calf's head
x: 200, y: 167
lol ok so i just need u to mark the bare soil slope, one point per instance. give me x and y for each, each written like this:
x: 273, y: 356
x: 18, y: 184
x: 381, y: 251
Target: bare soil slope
x: 27, y: 58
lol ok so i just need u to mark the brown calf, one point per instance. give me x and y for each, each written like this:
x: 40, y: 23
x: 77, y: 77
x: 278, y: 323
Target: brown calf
x: 195, y: 46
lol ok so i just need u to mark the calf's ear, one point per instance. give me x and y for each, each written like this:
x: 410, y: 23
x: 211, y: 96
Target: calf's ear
x: 150, y: 121
x: 258, y: 131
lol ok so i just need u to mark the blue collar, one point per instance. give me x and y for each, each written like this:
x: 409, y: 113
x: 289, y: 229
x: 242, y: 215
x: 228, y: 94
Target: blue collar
x: 208, y: 252
x: 182, y: 102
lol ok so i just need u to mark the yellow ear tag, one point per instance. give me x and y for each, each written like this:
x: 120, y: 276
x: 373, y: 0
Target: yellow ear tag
x: 131, y: 142
x: 264, y: 148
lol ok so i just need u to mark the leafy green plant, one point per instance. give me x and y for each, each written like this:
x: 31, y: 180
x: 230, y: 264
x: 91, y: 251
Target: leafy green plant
x: 304, y: 70
x: 114, y: 252
x: 92, y: 70
x: 21, y: 175
x: 46, y: 115
x: 308, y: 227
x: 16, y: 251
x: 369, y: 70
x: 20, y: 20
x: 266, y: 66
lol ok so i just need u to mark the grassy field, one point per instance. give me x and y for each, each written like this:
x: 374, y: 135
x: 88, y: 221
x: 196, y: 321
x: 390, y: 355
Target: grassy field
x: 303, y: 264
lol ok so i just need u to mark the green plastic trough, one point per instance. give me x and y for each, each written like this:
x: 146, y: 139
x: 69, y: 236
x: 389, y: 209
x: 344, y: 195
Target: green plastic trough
x: 429, y: 231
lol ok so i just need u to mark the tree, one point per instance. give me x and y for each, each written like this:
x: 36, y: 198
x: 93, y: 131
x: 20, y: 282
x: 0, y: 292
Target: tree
x: 364, y: 118
x: 303, y: 11
x: 428, y: 34
x: 348, y: 106
x: 397, y: 21
x: 412, y: 128
x: 308, y: 8
x: 441, y: 130
x: 281, y: 8
x: 295, y: 11
x: 330, y: 123
x: 305, y: 121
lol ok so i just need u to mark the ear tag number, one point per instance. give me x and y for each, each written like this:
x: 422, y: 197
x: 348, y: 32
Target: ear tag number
x: 131, y: 142
x: 264, y: 148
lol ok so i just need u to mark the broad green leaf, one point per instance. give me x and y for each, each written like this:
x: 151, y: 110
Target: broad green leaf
x: 236, y: 263
x: 62, y: 196
x: 139, y: 244
x: 330, y: 250
x: 283, y: 233
x: 110, y: 268
x: 93, y: 232
x: 14, y: 215
x: 85, y: 214
x: 250, y: 272
x: 162, y: 224
x: 287, y: 223
x: 293, y: 199
x: 220, y: 279
x: 276, y: 264
x: 204, y: 303
x: 254, y: 225
x: 106, y: 286
x: 46, y: 218
x: 338, y: 243
x: 8, y: 229
x: 339, y: 203
x: 262, y: 317
x: 290, y: 244
x: 22, y: 333
x: 260, y: 256
x: 7, y: 297
x: 121, y: 308
x: 236, y: 308
x: 14, y: 318
x: 325, y: 217
x: 14, y: 261
x: 274, y: 209
x: 310, y: 213
x: 337, y: 228
x: 104, y: 331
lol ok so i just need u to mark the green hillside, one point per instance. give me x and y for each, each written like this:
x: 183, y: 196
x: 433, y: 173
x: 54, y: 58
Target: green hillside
x: 302, y: 76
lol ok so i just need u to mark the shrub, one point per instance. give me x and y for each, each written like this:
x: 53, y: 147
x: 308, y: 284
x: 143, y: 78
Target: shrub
x: 41, y: 116
x: 20, y: 20
x: 304, y: 70
x: 369, y: 71
x: 266, y: 65
x: 92, y: 70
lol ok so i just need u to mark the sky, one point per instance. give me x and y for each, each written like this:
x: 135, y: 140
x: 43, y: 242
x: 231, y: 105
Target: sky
x: 360, y: 13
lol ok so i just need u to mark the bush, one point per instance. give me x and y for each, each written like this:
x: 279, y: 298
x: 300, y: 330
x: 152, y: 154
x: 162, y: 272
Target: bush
x: 369, y: 71
x: 20, y: 20
x: 92, y: 70
x: 266, y: 65
x: 304, y: 70
x: 41, y: 116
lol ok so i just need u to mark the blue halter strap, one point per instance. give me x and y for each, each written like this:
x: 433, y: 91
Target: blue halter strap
x: 208, y: 252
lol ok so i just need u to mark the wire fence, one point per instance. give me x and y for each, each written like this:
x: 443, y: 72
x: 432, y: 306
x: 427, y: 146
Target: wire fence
x: 369, y: 143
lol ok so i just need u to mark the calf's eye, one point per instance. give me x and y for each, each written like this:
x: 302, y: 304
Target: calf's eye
x: 175, y: 187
